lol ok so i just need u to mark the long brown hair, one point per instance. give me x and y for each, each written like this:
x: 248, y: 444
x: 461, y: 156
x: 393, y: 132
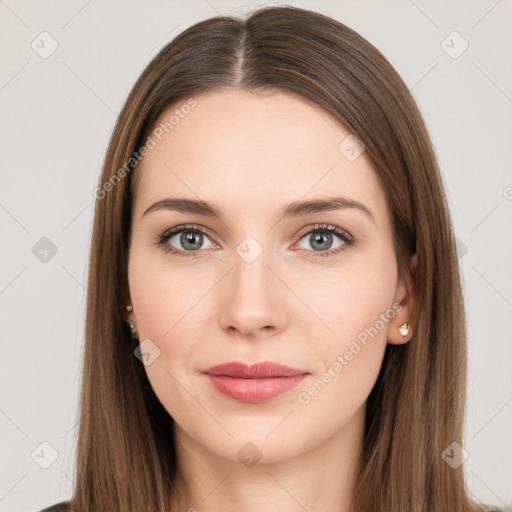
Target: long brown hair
x: 125, y: 453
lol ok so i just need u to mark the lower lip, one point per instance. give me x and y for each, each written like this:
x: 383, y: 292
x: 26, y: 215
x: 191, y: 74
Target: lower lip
x: 254, y: 390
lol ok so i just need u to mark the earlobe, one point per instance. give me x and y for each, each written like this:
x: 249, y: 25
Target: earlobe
x: 401, y: 327
x: 130, y: 316
x: 131, y: 323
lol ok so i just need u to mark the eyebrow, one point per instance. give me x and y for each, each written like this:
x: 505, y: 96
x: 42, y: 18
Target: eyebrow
x: 295, y: 209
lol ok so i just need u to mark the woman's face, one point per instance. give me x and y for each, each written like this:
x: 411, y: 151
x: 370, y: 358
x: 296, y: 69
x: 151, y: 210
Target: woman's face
x: 253, y: 285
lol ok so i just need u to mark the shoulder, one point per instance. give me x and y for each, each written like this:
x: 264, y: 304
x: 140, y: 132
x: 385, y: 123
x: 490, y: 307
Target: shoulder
x: 58, y: 507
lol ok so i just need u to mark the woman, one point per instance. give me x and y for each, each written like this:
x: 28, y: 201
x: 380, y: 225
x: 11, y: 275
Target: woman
x: 272, y: 225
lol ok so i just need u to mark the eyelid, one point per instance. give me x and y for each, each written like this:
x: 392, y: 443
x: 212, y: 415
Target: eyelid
x: 340, y: 232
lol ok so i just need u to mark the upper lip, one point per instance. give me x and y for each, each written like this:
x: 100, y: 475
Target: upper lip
x: 265, y: 369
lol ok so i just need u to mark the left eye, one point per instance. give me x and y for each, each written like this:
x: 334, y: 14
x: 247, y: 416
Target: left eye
x: 321, y: 240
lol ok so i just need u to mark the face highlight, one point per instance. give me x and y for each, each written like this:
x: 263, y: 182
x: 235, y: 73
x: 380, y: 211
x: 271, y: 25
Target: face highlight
x: 254, y: 238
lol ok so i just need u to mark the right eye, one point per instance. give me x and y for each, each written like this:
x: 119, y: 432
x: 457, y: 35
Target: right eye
x: 190, y: 238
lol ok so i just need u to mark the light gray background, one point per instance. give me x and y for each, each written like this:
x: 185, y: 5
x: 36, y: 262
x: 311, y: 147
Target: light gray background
x: 57, y: 116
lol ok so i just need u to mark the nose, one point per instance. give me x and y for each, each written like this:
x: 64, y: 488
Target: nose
x: 253, y: 299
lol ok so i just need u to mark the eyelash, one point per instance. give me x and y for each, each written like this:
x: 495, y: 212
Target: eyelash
x: 321, y: 228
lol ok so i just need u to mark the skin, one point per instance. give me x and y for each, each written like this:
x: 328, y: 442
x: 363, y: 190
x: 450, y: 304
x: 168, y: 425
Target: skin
x: 251, y: 154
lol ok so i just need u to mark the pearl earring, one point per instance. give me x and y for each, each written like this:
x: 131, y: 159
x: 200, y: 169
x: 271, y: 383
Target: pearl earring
x: 404, y: 329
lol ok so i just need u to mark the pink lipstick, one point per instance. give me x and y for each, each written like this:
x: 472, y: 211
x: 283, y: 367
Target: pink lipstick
x: 254, y: 383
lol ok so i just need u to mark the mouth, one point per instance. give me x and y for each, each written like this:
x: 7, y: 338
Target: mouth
x: 254, y: 383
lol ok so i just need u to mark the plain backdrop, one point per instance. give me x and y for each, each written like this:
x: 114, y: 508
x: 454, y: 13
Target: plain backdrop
x: 57, y: 114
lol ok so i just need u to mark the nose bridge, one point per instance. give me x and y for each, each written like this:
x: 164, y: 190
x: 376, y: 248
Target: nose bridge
x: 251, y: 271
x: 252, y: 301
x: 251, y: 276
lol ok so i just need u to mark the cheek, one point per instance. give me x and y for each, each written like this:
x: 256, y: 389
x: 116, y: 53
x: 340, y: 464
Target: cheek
x: 160, y: 293
x: 351, y: 299
x: 163, y: 301
x: 357, y: 308
x: 173, y: 310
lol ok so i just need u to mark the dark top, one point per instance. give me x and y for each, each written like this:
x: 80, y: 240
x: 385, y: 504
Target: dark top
x: 58, y: 507
x: 62, y: 506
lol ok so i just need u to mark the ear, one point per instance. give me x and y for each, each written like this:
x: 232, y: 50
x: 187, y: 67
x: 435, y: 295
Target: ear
x: 404, y: 295
x: 128, y: 315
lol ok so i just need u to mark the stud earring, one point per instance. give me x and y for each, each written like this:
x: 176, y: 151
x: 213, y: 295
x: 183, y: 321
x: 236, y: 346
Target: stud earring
x: 404, y: 329
x: 129, y: 307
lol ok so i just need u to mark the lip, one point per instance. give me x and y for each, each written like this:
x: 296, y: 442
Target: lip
x: 254, y: 383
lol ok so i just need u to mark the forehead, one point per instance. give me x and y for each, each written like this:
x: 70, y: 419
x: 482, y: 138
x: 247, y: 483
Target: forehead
x: 252, y: 150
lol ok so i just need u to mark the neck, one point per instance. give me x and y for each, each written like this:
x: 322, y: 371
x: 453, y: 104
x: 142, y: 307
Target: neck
x: 321, y: 479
